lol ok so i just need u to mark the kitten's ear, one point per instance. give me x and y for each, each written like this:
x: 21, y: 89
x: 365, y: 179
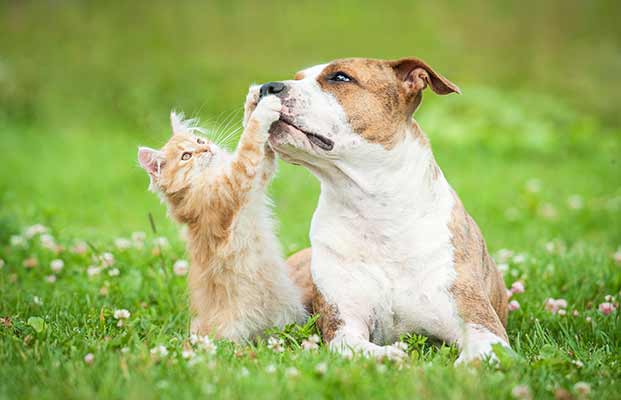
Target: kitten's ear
x: 176, y: 122
x: 151, y: 160
x: 181, y: 125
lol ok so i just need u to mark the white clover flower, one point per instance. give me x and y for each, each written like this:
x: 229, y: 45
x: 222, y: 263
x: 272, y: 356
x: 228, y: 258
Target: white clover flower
x: 122, y: 243
x: 321, y: 368
x: 139, y: 236
x: 57, y: 265
x: 50, y: 278
x: 519, y: 258
x: 503, y: 255
x: 181, y: 267
x: 48, y: 242
x: 518, y: 287
x: 307, y: 345
x: 18, y: 241
x: 34, y: 230
x: 292, y: 372
x: 114, y: 272
x: 160, y: 242
x: 617, y: 256
x: 93, y: 270
x: 194, y: 339
x: 514, y: 305
x: 107, y: 260
x: 550, y: 247
x: 582, y: 388
x: 521, y: 392
x: 188, y: 354
x: 208, y: 345
x: 270, y: 369
x: 577, y: 363
x: 37, y: 300
x: 80, y: 247
x: 244, y: 372
x: 575, y: 202
x: 122, y: 314
x: 159, y: 351
x: 275, y: 344
x: 607, y: 308
x: 533, y: 185
x: 556, y: 306
x: 89, y: 358
x: 503, y: 267
x: 125, y: 350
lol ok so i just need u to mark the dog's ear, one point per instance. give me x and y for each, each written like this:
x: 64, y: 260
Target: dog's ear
x: 417, y: 75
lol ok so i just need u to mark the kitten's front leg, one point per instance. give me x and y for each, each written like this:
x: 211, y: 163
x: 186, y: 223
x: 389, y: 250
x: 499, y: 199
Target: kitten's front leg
x: 268, y: 166
x: 252, y: 99
x: 251, y: 149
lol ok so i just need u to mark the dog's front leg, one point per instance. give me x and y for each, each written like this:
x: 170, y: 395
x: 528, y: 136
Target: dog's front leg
x: 353, y: 338
x: 344, y: 321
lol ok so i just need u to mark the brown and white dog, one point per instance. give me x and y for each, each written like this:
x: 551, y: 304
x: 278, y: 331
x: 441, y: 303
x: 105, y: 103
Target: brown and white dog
x: 393, y: 249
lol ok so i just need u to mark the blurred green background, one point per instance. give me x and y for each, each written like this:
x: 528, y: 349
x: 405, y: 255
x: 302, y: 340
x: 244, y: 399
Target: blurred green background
x: 82, y: 84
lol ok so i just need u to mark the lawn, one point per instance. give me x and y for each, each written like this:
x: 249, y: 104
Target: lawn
x: 532, y: 146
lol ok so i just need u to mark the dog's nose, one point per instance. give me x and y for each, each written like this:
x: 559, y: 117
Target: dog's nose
x: 271, y: 88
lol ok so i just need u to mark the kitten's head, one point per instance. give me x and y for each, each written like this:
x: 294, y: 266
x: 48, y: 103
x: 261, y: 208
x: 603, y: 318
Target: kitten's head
x: 186, y: 156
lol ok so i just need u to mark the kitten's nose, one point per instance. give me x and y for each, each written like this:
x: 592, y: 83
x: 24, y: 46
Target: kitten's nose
x: 271, y: 88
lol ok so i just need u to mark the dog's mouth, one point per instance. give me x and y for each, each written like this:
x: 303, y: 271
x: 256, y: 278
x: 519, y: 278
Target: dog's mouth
x: 320, y: 141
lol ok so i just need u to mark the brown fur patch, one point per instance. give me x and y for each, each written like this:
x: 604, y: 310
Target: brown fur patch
x: 299, y: 272
x: 380, y: 101
x: 479, y: 289
x: 329, y: 319
x: 375, y: 103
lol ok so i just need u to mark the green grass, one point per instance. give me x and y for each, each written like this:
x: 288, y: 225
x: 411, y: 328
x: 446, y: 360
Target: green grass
x: 81, y: 86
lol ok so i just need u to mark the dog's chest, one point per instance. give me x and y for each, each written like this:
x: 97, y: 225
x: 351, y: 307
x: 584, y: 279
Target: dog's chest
x: 399, y: 274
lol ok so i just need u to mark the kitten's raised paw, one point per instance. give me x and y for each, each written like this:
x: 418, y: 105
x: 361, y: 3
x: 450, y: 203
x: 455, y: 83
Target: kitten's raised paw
x: 267, y: 112
x: 252, y: 99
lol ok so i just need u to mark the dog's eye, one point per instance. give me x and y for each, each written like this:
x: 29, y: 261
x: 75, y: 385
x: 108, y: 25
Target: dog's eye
x: 186, y: 156
x: 200, y: 141
x: 340, y: 77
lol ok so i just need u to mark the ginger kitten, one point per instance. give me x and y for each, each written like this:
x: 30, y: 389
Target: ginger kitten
x: 238, y: 280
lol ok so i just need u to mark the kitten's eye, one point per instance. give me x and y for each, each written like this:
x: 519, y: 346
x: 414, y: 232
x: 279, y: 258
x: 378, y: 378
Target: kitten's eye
x: 340, y: 77
x: 186, y: 156
x: 200, y: 141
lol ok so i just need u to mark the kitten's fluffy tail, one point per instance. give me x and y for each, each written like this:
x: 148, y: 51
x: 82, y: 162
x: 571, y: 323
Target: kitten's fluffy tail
x: 181, y: 125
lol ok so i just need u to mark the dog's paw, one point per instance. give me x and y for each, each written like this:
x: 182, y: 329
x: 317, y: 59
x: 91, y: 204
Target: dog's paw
x: 393, y: 353
x: 267, y: 112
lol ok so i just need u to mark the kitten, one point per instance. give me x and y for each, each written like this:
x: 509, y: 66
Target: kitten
x: 238, y: 280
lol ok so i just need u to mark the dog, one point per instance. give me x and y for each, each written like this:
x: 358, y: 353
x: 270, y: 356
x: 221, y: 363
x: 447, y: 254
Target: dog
x: 393, y: 250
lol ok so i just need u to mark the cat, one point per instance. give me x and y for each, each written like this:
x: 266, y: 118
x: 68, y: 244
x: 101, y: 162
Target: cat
x: 238, y: 281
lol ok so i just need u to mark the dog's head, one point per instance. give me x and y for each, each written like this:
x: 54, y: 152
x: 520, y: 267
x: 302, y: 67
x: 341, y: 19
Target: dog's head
x: 343, y: 109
